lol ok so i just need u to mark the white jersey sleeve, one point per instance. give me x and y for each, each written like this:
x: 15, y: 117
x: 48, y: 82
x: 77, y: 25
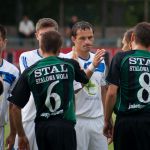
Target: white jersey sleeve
x: 103, y: 75
x: 23, y: 62
x: 77, y: 85
x: 26, y: 60
x: 15, y: 72
x: 10, y: 75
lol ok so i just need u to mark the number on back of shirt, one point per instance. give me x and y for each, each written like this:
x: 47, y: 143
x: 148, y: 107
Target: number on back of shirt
x: 144, y: 93
x: 53, y: 101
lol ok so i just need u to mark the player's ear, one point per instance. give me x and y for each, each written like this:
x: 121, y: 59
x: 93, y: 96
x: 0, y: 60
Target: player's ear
x: 132, y: 40
x: 73, y: 39
x: 36, y: 35
x: 132, y: 37
x: 5, y: 42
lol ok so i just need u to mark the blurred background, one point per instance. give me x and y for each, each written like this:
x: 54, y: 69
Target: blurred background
x: 110, y: 18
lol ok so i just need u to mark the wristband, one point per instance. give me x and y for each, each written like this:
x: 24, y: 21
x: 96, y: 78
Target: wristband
x: 91, y: 67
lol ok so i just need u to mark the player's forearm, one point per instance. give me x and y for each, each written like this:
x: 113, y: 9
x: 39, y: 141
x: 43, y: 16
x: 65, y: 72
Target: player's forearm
x: 11, y: 120
x: 103, y: 93
x: 109, y: 103
x: 18, y: 121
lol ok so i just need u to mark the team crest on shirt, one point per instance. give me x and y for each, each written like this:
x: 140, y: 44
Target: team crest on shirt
x: 91, y: 88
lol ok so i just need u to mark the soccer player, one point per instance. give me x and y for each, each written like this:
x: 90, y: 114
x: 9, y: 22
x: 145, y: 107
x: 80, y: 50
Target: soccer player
x: 26, y: 60
x: 89, y: 101
x: 9, y: 75
x: 51, y: 82
x: 128, y: 94
x: 126, y: 40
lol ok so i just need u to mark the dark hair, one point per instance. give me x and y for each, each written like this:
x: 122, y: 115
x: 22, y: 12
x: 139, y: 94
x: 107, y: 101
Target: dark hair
x: 46, y: 22
x: 127, y: 35
x: 81, y: 25
x: 51, y: 41
x: 3, y: 32
x: 142, y: 33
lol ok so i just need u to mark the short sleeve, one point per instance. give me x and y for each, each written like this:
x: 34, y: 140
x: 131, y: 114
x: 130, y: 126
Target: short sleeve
x: 113, y: 76
x: 21, y: 92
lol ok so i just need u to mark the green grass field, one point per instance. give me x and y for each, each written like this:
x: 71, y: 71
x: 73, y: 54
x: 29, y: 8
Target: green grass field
x: 110, y: 147
x: 7, y: 132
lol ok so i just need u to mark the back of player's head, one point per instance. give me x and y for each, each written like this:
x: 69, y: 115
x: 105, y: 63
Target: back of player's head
x: 46, y: 22
x: 127, y: 35
x: 142, y: 33
x: 51, y: 41
x: 3, y: 32
x: 83, y: 25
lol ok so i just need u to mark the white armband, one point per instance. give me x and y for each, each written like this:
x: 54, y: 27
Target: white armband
x: 91, y: 67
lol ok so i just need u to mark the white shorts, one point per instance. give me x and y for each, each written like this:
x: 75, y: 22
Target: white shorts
x: 89, y: 133
x: 2, y: 138
x: 29, y: 128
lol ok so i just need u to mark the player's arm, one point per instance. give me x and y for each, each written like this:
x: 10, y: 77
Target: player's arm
x: 109, y: 105
x: 103, y: 93
x: 113, y: 79
x: 19, y: 97
x: 10, y: 140
x: 23, y: 62
x: 91, y: 68
x: 103, y: 84
x: 23, y: 142
x: 97, y: 59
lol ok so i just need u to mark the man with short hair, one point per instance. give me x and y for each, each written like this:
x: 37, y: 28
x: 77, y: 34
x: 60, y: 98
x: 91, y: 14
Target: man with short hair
x: 90, y: 99
x: 51, y: 82
x: 9, y: 75
x: 26, y: 27
x: 26, y: 60
x: 128, y: 94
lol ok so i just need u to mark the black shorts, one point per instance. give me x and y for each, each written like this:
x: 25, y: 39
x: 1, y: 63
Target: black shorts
x: 132, y: 132
x: 55, y: 135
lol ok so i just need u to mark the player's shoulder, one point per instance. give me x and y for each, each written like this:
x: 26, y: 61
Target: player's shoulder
x: 68, y: 60
x: 29, y: 53
x: 121, y: 54
x: 92, y: 54
x: 9, y: 67
x: 66, y: 55
x: 61, y: 55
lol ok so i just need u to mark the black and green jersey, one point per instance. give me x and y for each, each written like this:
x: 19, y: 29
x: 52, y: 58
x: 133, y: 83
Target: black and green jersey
x: 51, y: 82
x: 130, y: 71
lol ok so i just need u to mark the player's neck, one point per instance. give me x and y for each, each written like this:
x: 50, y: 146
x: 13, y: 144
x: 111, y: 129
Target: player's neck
x: 83, y: 54
x: 40, y: 52
x: 48, y: 54
x: 140, y: 47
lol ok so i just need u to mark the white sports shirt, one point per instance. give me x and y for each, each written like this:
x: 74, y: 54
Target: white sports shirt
x: 27, y: 59
x: 26, y: 27
x: 10, y: 75
x: 89, y: 99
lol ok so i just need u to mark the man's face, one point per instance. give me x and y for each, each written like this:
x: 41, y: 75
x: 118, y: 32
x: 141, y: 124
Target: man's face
x: 83, y: 40
x: 42, y: 31
x: 2, y: 43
